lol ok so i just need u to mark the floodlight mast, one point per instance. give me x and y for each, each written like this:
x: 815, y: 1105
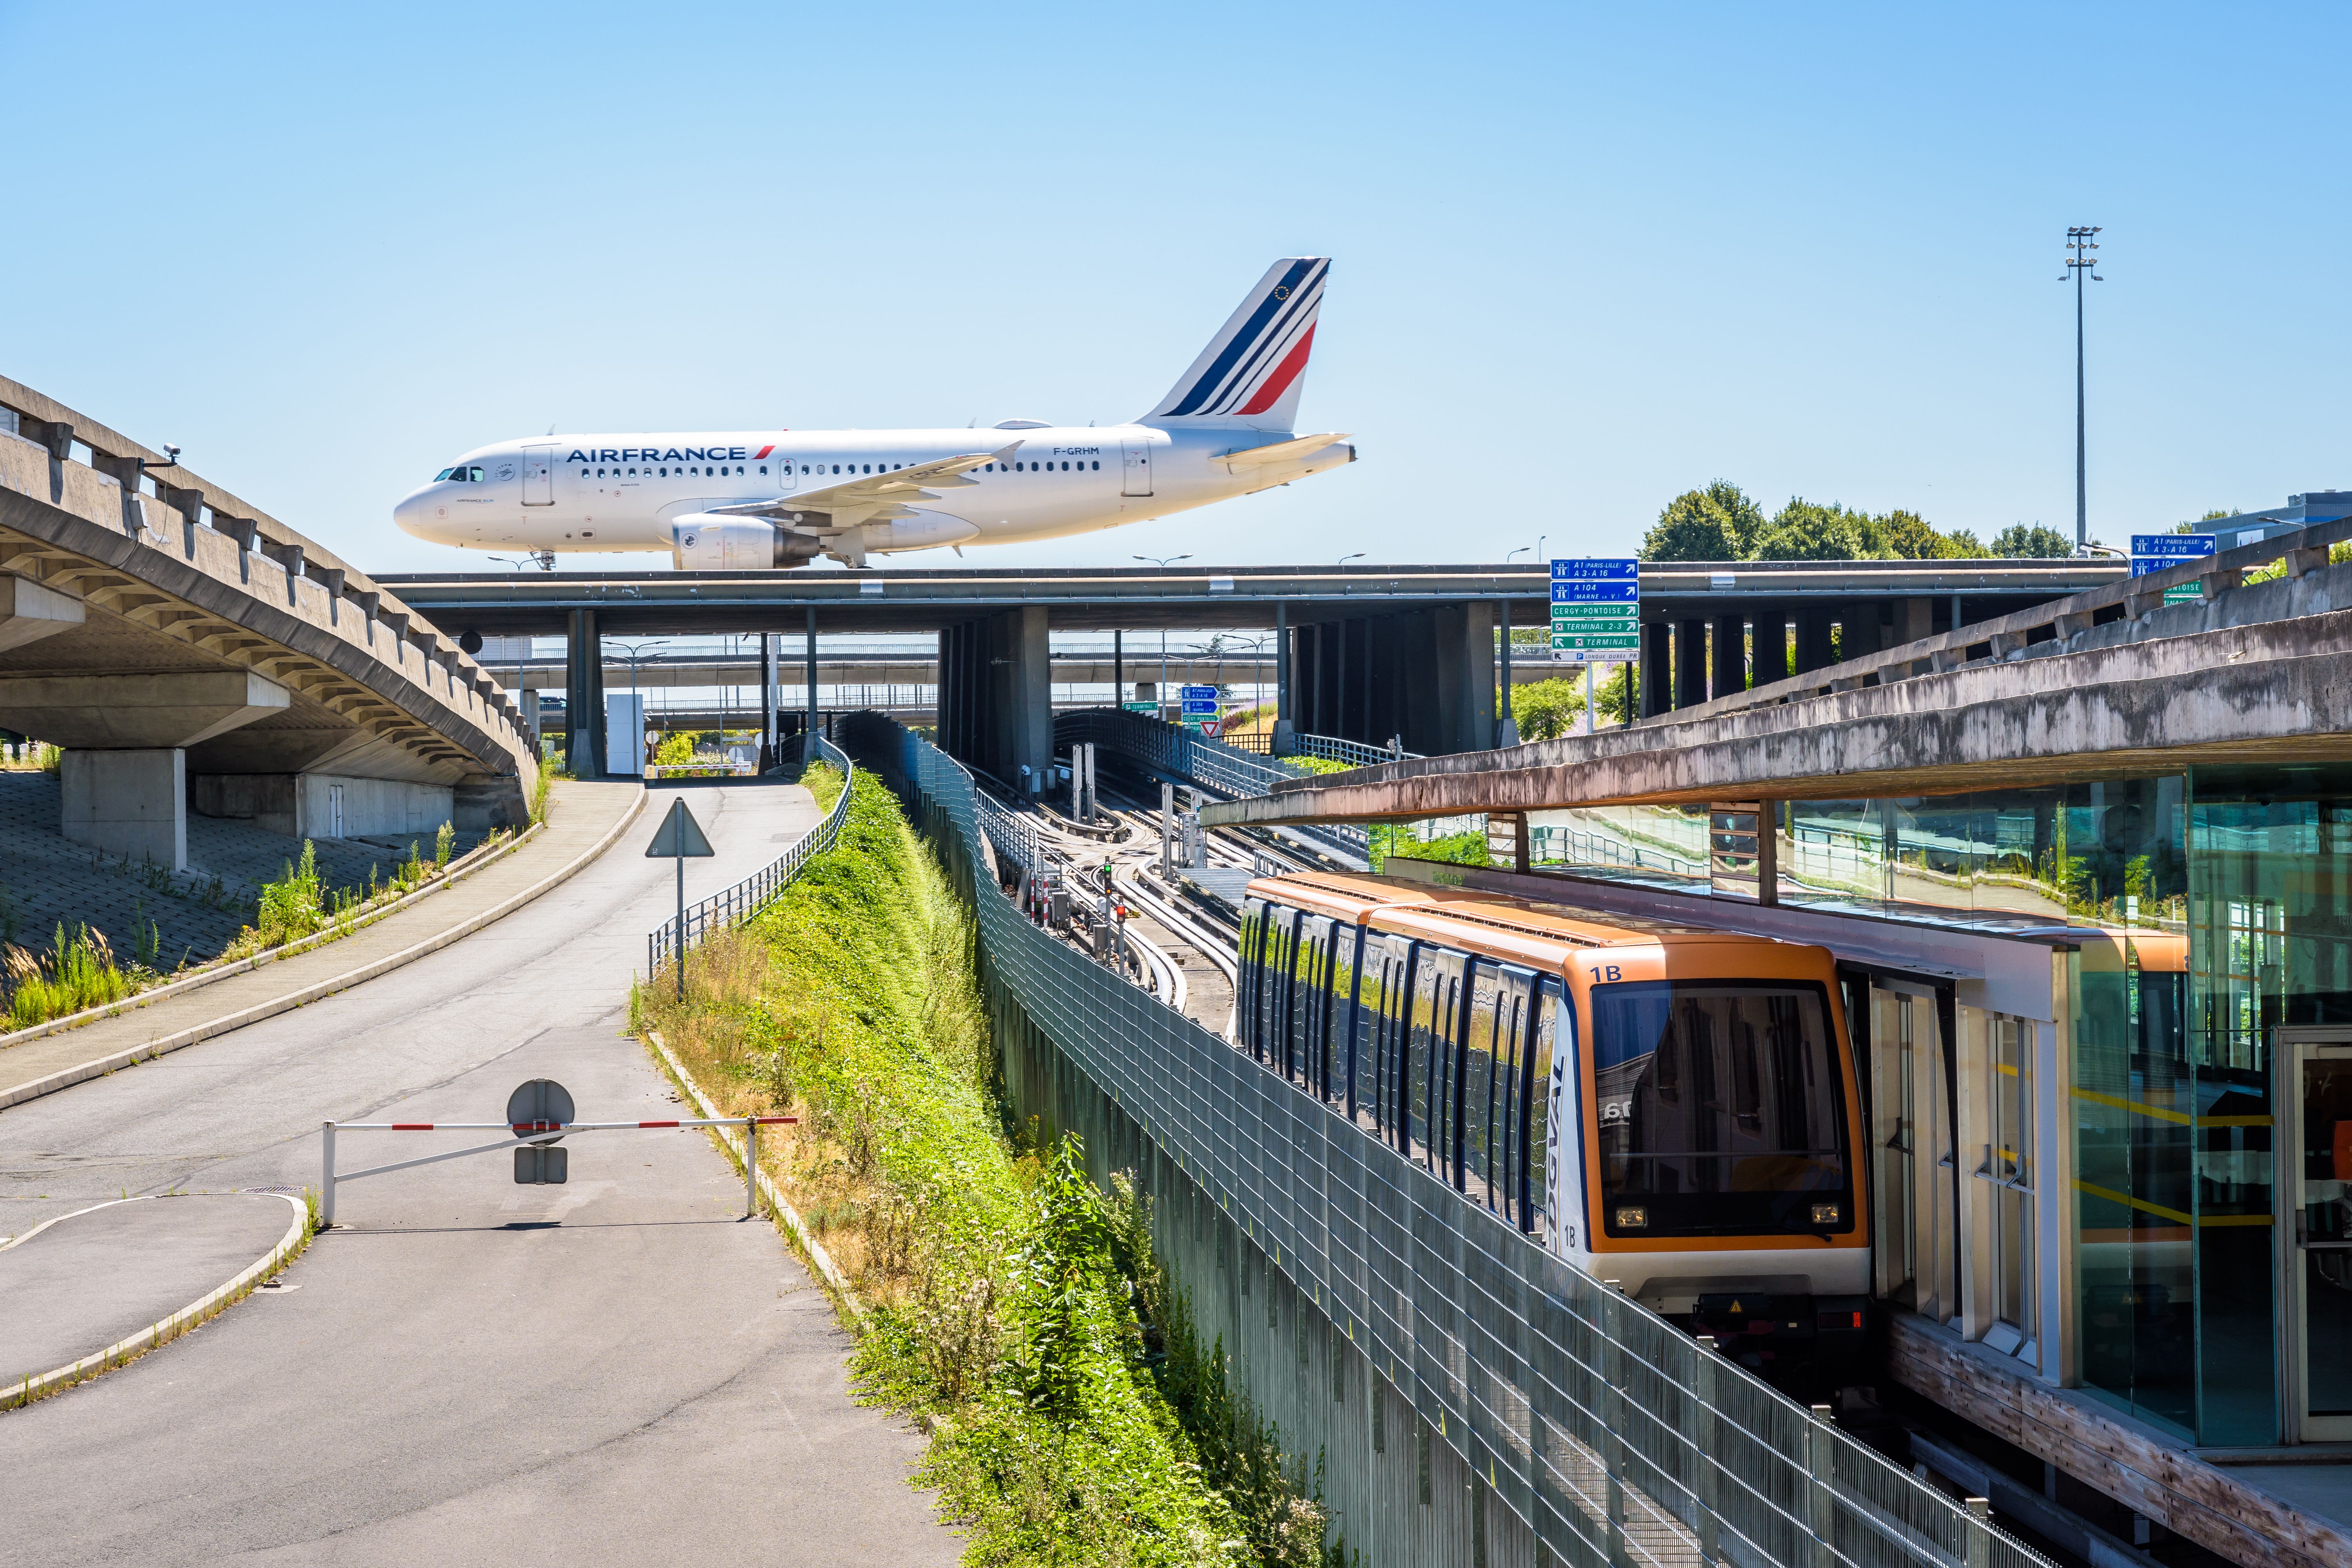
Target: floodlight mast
x: 2079, y: 261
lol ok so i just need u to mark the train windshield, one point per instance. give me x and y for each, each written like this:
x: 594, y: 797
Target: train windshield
x: 1721, y: 1109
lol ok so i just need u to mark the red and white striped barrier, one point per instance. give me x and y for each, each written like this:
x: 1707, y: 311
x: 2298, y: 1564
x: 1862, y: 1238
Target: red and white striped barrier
x: 522, y: 1133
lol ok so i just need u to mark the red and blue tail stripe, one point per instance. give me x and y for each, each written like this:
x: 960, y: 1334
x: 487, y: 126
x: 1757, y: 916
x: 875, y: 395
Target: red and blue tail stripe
x: 1248, y: 366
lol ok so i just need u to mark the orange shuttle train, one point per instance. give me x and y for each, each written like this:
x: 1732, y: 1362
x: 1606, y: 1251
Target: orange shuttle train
x: 1670, y: 1108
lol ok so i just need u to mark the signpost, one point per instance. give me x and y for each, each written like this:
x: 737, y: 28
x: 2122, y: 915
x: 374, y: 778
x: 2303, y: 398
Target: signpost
x: 1596, y: 616
x: 679, y: 835
x: 2154, y: 552
x: 1199, y: 704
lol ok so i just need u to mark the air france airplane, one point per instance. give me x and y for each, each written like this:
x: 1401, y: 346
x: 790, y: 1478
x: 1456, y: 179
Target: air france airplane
x: 763, y: 500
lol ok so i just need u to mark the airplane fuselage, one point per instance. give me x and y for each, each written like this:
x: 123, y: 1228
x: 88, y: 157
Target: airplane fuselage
x: 598, y: 493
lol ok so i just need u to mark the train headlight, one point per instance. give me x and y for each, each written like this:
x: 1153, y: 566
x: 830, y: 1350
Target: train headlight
x: 1633, y: 1218
x: 1825, y: 1214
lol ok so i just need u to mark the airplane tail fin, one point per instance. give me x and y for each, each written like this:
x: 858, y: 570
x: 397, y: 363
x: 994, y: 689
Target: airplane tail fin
x: 1250, y: 374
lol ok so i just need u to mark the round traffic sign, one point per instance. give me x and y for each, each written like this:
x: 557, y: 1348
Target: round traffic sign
x: 542, y: 1099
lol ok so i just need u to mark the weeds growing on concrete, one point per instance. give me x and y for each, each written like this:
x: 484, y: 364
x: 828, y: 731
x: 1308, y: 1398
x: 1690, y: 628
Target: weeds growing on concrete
x: 79, y: 971
x: 1011, y: 1308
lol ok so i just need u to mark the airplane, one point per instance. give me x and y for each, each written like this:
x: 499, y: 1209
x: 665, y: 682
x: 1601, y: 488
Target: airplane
x: 769, y: 500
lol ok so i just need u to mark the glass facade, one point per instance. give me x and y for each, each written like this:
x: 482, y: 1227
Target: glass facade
x: 2202, y: 912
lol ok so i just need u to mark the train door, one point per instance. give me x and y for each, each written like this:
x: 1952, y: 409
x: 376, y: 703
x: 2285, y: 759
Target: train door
x: 2315, y: 1197
x: 1390, y: 962
x: 1496, y: 1095
x: 1274, y: 982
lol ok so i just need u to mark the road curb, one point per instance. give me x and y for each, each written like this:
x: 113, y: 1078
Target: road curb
x: 289, y: 1248
x: 819, y: 1259
x: 67, y: 1078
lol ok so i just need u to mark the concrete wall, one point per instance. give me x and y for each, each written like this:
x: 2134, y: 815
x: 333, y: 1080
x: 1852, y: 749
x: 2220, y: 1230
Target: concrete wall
x: 302, y: 805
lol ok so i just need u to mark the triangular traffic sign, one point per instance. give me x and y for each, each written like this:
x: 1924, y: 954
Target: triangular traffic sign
x: 679, y: 834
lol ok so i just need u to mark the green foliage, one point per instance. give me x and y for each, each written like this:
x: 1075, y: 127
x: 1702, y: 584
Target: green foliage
x: 676, y: 749
x: 540, y: 787
x: 1003, y: 1303
x: 292, y: 906
x: 1718, y: 523
x: 1547, y: 709
x: 79, y: 971
x: 1808, y: 531
x: 2034, y: 542
x: 1319, y: 765
x: 442, y: 841
x: 1390, y: 839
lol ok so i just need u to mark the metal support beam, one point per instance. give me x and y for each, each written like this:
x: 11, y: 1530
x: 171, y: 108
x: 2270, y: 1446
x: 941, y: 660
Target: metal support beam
x: 808, y: 740
x: 1280, y: 745
x: 1769, y: 656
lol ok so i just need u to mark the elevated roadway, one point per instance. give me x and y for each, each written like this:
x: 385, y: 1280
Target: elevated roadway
x: 1362, y: 652
x: 2100, y: 684
x: 189, y: 652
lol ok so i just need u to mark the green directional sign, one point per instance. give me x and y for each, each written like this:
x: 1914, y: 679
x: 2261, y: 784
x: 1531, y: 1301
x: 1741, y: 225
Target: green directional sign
x: 1596, y: 642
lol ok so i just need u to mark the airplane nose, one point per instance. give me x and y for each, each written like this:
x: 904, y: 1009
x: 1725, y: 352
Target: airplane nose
x: 409, y: 513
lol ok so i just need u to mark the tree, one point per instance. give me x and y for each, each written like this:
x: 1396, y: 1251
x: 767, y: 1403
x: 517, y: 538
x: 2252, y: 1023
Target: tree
x: 1547, y: 709
x: 1907, y: 536
x: 1961, y: 544
x: 2037, y: 543
x: 1718, y: 523
x: 1807, y: 531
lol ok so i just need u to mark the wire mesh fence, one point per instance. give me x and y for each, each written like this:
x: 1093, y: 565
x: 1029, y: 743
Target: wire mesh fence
x: 734, y: 906
x: 1539, y: 1416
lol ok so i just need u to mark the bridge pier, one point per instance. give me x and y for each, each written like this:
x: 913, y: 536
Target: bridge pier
x: 125, y: 775
x: 583, y: 696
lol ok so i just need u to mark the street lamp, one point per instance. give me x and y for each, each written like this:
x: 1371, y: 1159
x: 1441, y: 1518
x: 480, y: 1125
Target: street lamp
x: 1160, y: 699
x: 633, y: 650
x: 1507, y: 560
x: 1358, y: 555
x: 2079, y: 261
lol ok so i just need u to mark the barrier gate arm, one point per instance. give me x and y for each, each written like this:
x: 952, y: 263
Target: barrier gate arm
x: 524, y: 1132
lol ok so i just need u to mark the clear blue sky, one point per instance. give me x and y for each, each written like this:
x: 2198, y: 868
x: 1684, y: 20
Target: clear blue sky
x: 1585, y: 258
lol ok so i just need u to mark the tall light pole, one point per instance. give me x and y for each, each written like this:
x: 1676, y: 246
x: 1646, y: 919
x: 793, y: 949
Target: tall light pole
x: 2079, y: 261
x: 1160, y: 698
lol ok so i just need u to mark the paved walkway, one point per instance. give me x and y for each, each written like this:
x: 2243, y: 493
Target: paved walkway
x: 580, y: 816
x: 95, y: 1278
x: 619, y: 1369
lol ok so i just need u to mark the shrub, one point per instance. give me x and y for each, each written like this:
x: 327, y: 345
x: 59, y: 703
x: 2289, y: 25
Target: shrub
x: 1547, y: 709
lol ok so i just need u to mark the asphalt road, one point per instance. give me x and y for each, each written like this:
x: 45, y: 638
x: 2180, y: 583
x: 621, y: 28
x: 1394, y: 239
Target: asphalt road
x: 618, y: 1370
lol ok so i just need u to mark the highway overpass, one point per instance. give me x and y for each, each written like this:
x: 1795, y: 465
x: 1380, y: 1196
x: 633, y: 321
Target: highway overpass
x: 187, y: 651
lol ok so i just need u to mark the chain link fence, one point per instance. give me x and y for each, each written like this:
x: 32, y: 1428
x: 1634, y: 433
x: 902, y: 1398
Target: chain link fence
x: 1474, y: 1399
x: 734, y: 905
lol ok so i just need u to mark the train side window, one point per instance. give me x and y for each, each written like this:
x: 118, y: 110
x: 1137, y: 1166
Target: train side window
x: 1347, y: 1009
x: 1246, y: 956
x: 1310, y: 1002
x: 1544, y: 1156
x: 1474, y: 1071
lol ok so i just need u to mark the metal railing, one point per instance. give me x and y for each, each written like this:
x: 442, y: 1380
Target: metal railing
x: 1355, y: 753
x: 1185, y: 754
x: 1557, y: 1408
x: 734, y: 906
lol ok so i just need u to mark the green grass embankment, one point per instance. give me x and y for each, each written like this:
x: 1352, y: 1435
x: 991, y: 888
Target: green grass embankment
x: 1011, y: 1310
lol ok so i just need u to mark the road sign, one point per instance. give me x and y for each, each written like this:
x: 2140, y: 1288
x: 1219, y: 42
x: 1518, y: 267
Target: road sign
x: 541, y: 1102
x: 1199, y: 702
x: 1596, y: 609
x: 2157, y: 551
x: 679, y: 835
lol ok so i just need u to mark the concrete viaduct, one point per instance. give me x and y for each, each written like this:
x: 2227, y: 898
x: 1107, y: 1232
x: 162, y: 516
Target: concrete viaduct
x: 188, y: 652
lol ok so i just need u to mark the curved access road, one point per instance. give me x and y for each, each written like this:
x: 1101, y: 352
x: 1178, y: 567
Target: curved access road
x: 619, y: 1369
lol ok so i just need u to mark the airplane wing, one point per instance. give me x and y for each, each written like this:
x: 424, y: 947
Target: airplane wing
x: 870, y: 497
x: 1280, y: 451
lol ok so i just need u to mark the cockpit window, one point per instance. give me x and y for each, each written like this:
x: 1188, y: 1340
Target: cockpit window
x: 475, y: 475
x: 443, y: 474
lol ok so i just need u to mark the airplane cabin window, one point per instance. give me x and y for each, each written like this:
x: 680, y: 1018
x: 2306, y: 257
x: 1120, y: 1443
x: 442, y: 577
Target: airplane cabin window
x: 1097, y: 465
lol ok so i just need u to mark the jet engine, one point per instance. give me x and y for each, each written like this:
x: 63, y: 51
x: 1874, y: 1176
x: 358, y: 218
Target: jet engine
x: 701, y: 543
